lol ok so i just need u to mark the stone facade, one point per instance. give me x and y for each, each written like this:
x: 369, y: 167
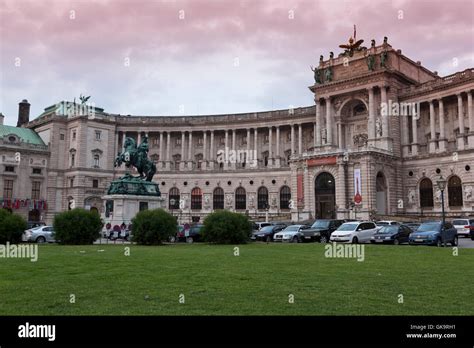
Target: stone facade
x: 310, y: 153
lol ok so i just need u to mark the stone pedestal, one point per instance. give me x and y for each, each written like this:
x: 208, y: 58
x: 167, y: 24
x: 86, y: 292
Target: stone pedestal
x: 120, y: 208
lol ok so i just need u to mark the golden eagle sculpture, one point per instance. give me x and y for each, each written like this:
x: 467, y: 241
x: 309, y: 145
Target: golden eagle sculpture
x: 353, y: 44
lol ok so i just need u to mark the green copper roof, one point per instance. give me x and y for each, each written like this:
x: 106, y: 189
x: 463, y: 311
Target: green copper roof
x: 27, y: 135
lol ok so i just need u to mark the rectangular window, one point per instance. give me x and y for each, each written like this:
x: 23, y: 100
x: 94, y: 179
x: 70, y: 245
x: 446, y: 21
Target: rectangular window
x: 265, y: 139
x: 61, y: 136
x: 36, y: 190
x: 177, y: 141
x: 97, y: 135
x: 73, y: 135
x: 71, y: 182
x: 95, y: 183
x: 10, y: 169
x: 143, y: 206
x: 200, y: 141
x: 36, y: 170
x: 155, y: 141
x: 73, y: 160
x: 7, y: 189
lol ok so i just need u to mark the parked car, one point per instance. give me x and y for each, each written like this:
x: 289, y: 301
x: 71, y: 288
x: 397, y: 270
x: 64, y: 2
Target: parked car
x: 194, y: 234
x: 257, y: 226
x: 41, y: 234
x: 393, y: 234
x: 291, y: 234
x: 267, y: 232
x: 33, y: 224
x: 354, y: 232
x: 463, y: 226
x: 431, y: 233
x: 320, y: 230
x: 413, y: 225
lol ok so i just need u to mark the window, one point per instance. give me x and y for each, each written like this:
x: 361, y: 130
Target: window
x: 285, y: 197
x: 36, y: 190
x: 7, y: 189
x: 426, y: 193
x: 200, y: 141
x: 10, y: 169
x: 97, y: 134
x: 36, y: 170
x: 95, y: 183
x: 218, y: 198
x: 73, y: 159
x: 73, y: 135
x: 61, y: 136
x: 196, y: 198
x: 71, y: 182
x: 96, y: 161
x: 240, y: 199
x: 174, y: 198
x: 455, y: 192
x: 143, y: 206
x: 262, y: 198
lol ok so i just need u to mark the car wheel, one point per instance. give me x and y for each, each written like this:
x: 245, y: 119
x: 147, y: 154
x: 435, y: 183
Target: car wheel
x: 295, y: 239
x: 40, y: 239
x: 396, y: 241
x: 268, y: 239
x: 323, y: 239
x: 189, y: 240
x: 455, y: 241
x: 355, y: 240
x: 439, y: 243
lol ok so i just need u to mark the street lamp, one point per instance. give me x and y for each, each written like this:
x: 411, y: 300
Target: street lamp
x: 442, y: 186
x: 172, y: 202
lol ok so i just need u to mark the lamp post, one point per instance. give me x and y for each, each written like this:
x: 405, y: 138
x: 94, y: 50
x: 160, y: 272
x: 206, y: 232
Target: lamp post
x: 172, y: 202
x: 442, y: 186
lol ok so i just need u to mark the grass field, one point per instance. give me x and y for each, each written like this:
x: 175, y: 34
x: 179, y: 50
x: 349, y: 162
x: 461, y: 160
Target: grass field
x: 258, y: 282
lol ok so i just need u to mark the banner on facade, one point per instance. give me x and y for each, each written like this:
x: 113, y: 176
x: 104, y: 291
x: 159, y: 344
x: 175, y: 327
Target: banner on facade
x: 357, y: 187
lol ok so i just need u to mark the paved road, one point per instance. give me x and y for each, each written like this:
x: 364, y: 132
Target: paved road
x: 464, y: 242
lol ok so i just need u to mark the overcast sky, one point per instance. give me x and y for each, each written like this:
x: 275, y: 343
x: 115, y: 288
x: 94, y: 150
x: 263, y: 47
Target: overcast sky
x: 163, y: 57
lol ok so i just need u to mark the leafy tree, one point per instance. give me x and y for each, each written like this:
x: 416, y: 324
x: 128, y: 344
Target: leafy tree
x: 225, y: 227
x: 77, y: 226
x: 151, y: 227
x: 12, y: 227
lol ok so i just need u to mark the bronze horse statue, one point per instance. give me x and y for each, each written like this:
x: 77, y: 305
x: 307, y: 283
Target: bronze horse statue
x: 137, y: 157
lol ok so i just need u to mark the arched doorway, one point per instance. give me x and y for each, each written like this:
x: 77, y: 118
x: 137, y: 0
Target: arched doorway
x: 381, y: 196
x: 325, y: 196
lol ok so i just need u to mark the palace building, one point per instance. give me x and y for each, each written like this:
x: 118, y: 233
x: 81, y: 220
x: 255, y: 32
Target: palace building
x: 382, y: 132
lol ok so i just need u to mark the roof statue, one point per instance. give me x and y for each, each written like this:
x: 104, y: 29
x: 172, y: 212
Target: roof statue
x: 353, y: 45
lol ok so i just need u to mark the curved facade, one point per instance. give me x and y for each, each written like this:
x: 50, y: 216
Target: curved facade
x: 376, y: 131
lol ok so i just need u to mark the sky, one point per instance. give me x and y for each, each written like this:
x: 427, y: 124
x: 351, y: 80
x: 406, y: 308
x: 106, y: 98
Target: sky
x: 173, y: 57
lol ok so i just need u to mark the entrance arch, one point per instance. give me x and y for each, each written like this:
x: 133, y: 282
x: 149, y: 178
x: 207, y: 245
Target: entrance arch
x: 381, y: 196
x: 325, y: 196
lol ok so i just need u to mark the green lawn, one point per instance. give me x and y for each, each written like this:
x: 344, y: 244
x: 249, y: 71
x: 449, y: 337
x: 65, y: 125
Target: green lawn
x: 258, y: 282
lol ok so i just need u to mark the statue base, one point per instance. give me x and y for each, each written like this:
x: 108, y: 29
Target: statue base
x: 122, y: 208
x: 130, y: 185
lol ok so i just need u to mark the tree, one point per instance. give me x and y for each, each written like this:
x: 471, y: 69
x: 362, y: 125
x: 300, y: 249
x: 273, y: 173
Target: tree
x: 12, y: 227
x: 151, y: 227
x: 77, y: 226
x: 225, y: 227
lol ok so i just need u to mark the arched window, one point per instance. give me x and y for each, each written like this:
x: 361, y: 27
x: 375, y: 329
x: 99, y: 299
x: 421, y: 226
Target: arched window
x: 218, y: 198
x: 262, y: 198
x: 240, y: 199
x: 196, y: 198
x: 96, y: 161
x: 455, y: 192
x: 426, y: 193
x: 174, y: 198
x: 285, y: 196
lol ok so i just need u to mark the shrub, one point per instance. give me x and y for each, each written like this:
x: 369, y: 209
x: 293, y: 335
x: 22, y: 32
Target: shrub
x: 77, y: 226
x: 150, y: 227
x: 225, y: 227
x: 12, y: 227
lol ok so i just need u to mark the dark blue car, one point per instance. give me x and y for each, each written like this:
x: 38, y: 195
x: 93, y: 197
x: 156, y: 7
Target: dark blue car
x: 431, y: 233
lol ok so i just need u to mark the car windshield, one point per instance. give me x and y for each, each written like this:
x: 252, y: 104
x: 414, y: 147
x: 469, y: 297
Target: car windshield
x: 431, y: 226
x: 348, y: 227
x: 267, y: 229
x: 389, y: 229
x: 460, y: 222
x: 382, y: 223
x: 291, y: 228
x: 320, y: 224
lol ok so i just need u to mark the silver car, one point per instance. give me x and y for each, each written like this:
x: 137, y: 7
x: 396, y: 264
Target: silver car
x: 40, y: 234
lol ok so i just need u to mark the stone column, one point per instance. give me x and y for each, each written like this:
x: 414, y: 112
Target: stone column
x: 432, y: 143
x: 318, y: 124
x: 470, y: 113
x: 255, y: 144
x: 233, y: 165
x: 168, y: 146
x: 161, y: 149
x: 341, y: 195
x: 328, y: 121
x: 442, y: 142
x: 414, y: 145
x: 339, y: 135
x: 183, y: 147
x: 277, y: 157
x: 211, y: 151
x: 139, y: 138
x: 204, y: 151
x: 404, y: 134
x: 292, y: 139
x: 371, y: 123
x: 383, y: 100
x: 226, y: 149
x: 300, y: 139
x: 190, y: 151
x: 461, y: 123
x: 270, y: 150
